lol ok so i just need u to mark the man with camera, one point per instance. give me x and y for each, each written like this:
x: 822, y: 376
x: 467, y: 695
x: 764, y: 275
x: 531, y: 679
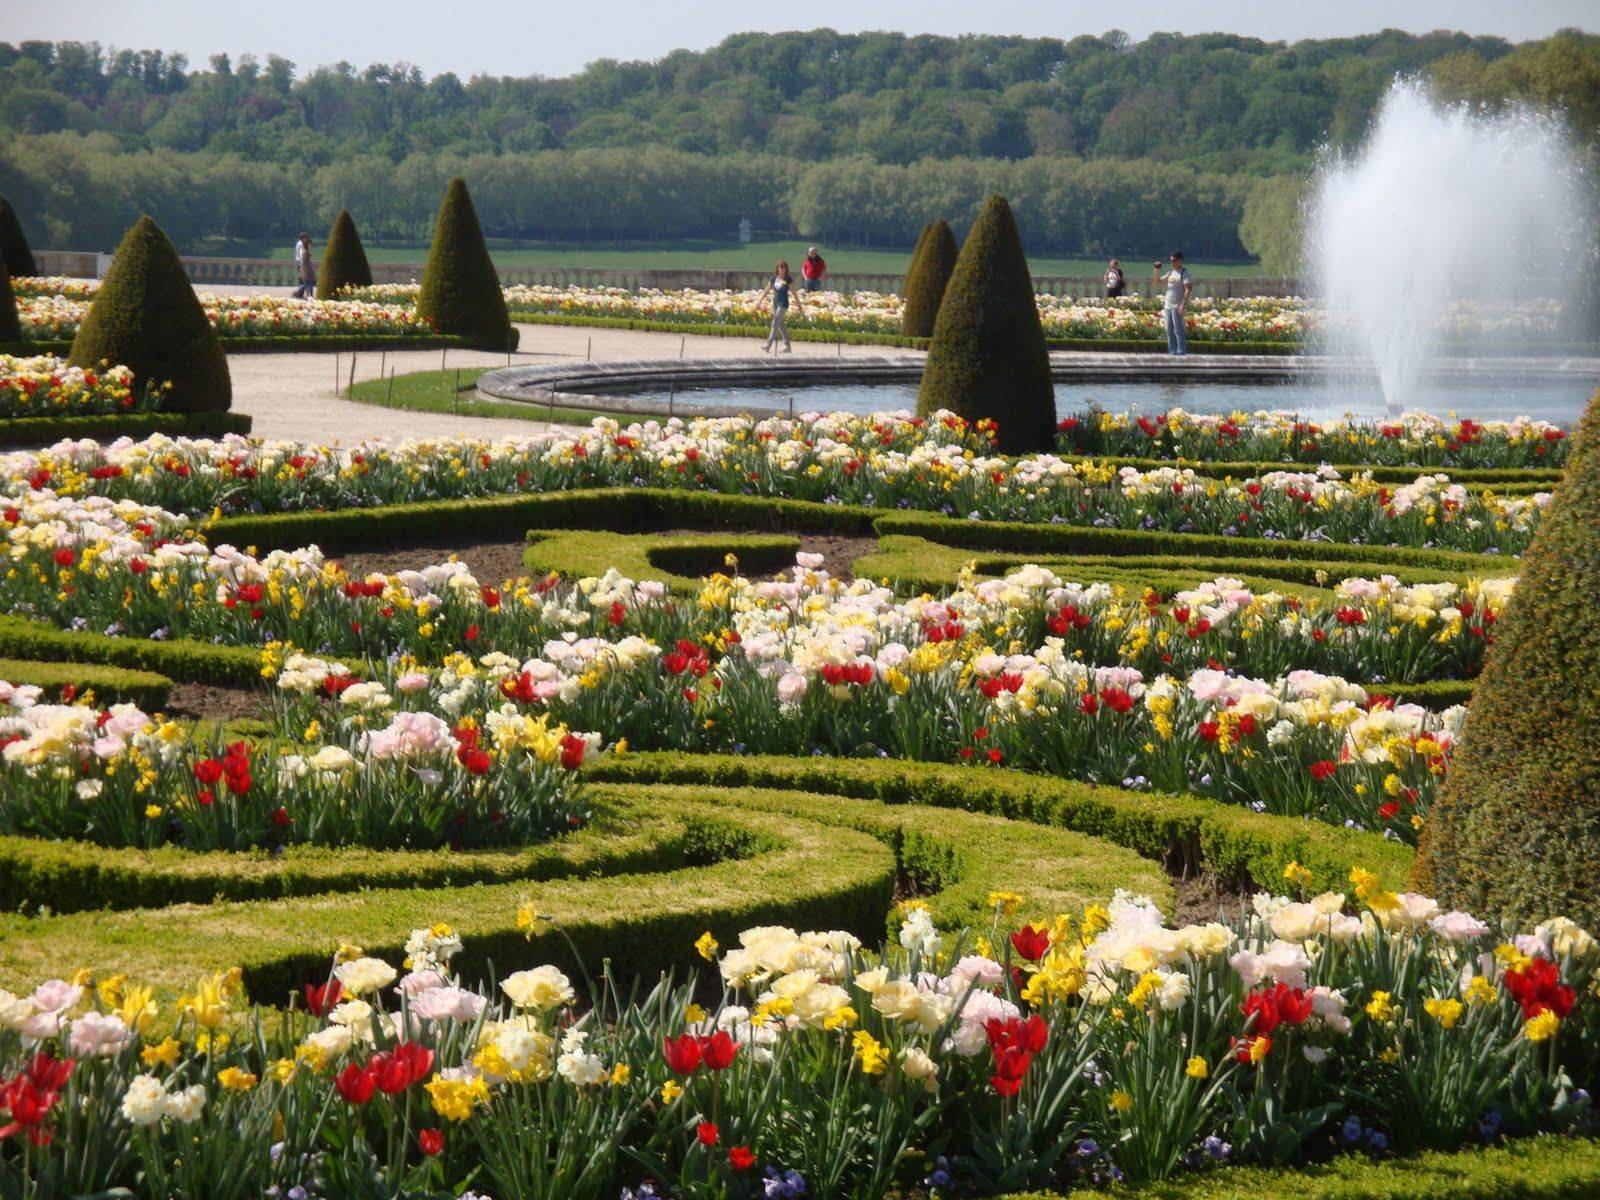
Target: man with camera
x: 1179, y: 289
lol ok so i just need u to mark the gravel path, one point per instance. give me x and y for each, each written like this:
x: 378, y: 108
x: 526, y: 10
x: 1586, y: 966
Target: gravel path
x: 294, y: 395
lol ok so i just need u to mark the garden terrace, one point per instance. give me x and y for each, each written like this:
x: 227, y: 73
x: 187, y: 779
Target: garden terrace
x: 820, y: 810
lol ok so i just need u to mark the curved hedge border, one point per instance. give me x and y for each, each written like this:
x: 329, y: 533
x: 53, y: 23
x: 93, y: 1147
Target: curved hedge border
x: 110, y: 685
x: 679, y: 561
x: 723, y: 859
x: 639, y: 508
x: 39, y: 641
x: 40, y: 431
x: 1536, y: 1168
x: 70, y: 877
x: 1185, y: 833
x: 931, y: 564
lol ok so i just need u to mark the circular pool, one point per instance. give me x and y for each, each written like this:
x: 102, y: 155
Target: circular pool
x: 1552, y: 390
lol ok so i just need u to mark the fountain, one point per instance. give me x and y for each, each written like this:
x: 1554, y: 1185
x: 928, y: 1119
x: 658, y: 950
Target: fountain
x: 1444, y: 212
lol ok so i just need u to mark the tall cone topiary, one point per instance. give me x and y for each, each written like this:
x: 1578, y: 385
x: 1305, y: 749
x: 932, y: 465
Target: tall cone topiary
x: 987, y: 359
x: 929, y: 274
x: 1515, y: 830
x: 344, y: 259
x: 10, y: 322
x: 460, y: 289
x: 146, y: 316
x: 14, y: 250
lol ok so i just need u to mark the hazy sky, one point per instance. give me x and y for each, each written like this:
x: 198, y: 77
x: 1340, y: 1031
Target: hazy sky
x: 522, y: 37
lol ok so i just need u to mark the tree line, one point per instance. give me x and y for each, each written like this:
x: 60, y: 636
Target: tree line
x: 82, y: 193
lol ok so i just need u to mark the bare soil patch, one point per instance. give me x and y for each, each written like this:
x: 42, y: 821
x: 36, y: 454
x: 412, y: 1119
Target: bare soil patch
x: 1202, y: 898
x: 490, y: 562
x: 213, y: 702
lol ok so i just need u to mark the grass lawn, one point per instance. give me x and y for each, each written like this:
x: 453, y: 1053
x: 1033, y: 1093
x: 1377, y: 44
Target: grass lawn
x: 731, y: 256
x: 434, y: 391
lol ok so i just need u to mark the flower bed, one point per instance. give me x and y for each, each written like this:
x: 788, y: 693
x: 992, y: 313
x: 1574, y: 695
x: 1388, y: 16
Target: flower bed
x: 1412, y: 439
x: 1092, y: 1045
x: 45, y: 386
x: 51, y: 311
x: 1259, y: 321
x: 886, y: 461
x: 824, y: 747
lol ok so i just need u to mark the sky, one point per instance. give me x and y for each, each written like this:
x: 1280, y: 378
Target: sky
x: 538, y: 37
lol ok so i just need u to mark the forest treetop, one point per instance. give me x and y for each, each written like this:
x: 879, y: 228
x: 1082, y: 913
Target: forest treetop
x: 1219, y: 101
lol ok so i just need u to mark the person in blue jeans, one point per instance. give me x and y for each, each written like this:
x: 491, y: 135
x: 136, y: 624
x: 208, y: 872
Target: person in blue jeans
x: 781, y: 288
x: 1179, y: 289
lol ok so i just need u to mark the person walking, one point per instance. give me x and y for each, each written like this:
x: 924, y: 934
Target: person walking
x: 781, y: 288
x: 813, y: 269
x: 1173, y: 312
x: 307, y: 269
x: 1116, y: 282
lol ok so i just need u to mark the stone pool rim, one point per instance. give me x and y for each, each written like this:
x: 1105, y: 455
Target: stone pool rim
x: 612, y: 387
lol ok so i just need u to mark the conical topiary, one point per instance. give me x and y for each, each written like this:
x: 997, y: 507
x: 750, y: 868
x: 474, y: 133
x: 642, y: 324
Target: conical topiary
x: 146, y: 316
x: 987, y: 359
x: 460, y: 289
x: 1515, y: 830
x: 10, y: 322
x: 929, y: 274
x: 344, y: 260
x: 14, y: 250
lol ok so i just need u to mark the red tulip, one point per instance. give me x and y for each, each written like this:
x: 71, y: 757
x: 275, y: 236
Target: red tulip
x: 320, y: 1000
x: 741, y: 1158
x: 430, y: 1141
x: 1031, y: 942
x: 718, y: 1051
x: 682, y: 1053
x: 707, y: 1133
x: 356, y: 1084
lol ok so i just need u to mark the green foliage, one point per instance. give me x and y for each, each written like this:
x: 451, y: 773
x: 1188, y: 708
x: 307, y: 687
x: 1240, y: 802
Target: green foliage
x: 15, y: 256
x: 110, y: 685
x: 68, y: 876
x: 10, y: 322
x: 42, y: 431
x: 1034, y: 539
x: 802, y: 873
x: 1542, y: 1168
x: 23, y: 638
x: 1516, y: 827
x: 1272, y: 225
x: 681, y: 561
x: 344, y: 261
x: 630, y: 508
x: 987, y: 360
x: 1186, y: 833
x: 926, y: 279
x: 460, y: 289
x: 146, y: 316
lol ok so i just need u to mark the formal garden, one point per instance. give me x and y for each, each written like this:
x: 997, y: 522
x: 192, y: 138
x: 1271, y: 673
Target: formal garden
x: 967, y: 802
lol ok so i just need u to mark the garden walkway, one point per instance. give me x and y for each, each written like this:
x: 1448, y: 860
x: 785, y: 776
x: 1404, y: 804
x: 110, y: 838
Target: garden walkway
x: 293, y: 395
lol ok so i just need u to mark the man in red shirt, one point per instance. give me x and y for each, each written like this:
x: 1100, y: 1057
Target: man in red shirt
x: 813, y: 269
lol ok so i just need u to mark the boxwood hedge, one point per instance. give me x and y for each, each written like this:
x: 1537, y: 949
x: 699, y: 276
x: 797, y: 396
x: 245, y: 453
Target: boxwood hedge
x: 110, y: 685
x: 1538, y: 1168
